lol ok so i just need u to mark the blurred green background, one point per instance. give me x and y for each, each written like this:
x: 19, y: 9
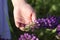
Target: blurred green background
x: 43, y: 8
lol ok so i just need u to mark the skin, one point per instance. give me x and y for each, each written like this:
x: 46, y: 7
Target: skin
x: 23, y: 13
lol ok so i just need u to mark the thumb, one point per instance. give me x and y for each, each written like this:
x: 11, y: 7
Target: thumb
x: 33, y: 16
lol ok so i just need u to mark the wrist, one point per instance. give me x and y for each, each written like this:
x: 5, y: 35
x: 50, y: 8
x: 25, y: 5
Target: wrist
x: 18, y: 2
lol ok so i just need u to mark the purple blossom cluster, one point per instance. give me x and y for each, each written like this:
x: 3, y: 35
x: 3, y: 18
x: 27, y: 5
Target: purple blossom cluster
x: 27, y: 36
x: 50, y: 22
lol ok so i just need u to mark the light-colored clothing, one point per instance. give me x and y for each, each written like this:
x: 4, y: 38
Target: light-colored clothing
x: 4, y: 27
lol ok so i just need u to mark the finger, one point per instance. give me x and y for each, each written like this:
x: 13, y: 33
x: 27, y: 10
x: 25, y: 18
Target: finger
x: 33, y: 16
x: 17, y: 24
x: 21, y: 26
x: 27, y: 19
x: 16, y: 11
x: 17, y: 17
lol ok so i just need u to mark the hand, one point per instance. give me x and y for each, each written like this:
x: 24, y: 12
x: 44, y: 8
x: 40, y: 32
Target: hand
x: 23, y: 15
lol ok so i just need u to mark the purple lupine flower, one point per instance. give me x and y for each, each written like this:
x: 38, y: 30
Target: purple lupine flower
x: 27, y: 36
x: 47, y: 22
